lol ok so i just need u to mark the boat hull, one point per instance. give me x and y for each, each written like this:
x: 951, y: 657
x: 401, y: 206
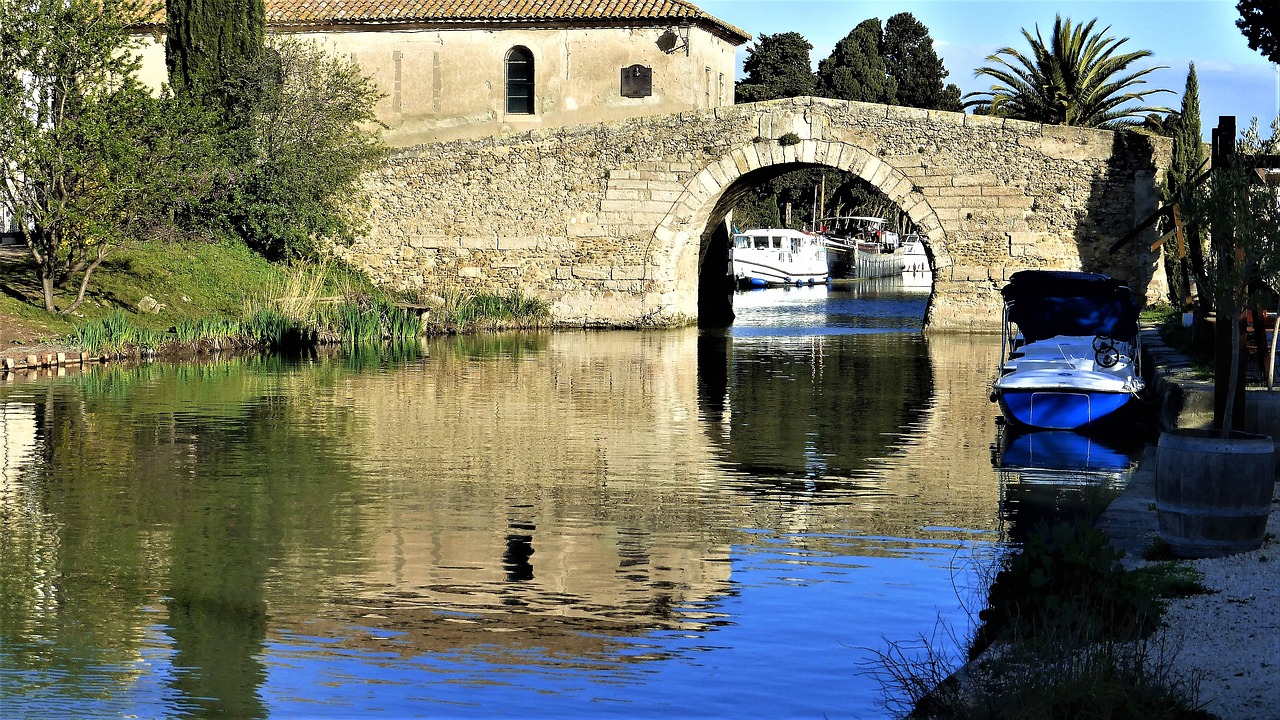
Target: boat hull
x: 750, y: 274
x: 1060, y: 408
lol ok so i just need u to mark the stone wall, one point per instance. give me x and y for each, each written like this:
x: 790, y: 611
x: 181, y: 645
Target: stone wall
x: 609, y: 222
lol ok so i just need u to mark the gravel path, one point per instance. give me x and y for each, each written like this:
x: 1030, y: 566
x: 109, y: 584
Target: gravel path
x: 1229, y: 640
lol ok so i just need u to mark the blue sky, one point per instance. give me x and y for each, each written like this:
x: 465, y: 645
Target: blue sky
x: 1234, y: 80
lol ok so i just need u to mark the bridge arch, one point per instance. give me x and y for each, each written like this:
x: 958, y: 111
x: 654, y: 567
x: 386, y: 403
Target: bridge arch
x: 683, y: 235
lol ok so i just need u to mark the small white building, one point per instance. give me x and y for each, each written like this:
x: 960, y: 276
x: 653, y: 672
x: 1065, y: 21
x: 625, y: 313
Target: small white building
x: 470, y: 68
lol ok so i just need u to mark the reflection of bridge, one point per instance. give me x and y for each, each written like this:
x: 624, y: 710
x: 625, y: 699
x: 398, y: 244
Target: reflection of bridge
x: 611, y: 532
x: 613, y: 223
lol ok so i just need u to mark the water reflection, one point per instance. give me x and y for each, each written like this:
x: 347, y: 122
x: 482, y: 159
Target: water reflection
x: 569, y: 524
x: 1052, y: 475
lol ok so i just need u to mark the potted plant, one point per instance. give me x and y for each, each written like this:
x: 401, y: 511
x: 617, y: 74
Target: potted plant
x: 1214, y: 487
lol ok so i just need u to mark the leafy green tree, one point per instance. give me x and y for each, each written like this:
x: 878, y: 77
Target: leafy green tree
x: 1078, y: 78
x: 1260, y: 23
x: 206, y: 41
x: 915, y: 67
x: 90, y: 160
x: 313, y: 135
x: 856, y: 68
x: 896, y: 66
x: 777, y: 66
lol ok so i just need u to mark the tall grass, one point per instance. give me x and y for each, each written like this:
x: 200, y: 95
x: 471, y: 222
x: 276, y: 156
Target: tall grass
x: 493, y: 307
x: 365, y: 320
x: 322, y: 303
x: 115, y: 335
x: 284, y: 316
x: 193, y: 332
x: 1068, y: 633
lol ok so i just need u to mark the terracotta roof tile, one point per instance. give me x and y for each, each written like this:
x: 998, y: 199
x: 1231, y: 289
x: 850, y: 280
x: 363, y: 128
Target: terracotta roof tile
x: 312, y: 12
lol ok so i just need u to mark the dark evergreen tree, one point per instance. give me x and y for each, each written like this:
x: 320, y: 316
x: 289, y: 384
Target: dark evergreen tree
x: 1184, y: 167
x: 915, y: 67
x: 1260, y: 23
x: 206, y: 43
x: 856, y: 70
x: 777, y: 66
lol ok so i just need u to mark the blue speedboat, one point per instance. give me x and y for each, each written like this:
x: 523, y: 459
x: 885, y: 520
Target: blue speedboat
x: 1070, y: 353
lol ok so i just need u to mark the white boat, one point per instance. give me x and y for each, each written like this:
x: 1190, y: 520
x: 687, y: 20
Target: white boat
x: 777, y: 256
x: 1073, y: 359
x: 860, y: 246
x: 914, y: 259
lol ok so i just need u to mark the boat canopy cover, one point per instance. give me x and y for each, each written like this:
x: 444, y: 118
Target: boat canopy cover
x: 1047, y: 303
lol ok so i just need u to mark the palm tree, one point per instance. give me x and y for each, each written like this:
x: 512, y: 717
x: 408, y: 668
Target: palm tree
x: 1078, y: 79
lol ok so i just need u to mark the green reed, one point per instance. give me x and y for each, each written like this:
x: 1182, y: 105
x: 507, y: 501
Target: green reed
x: 492, y: 306
x: 115, y: 334
x: 361, y: 321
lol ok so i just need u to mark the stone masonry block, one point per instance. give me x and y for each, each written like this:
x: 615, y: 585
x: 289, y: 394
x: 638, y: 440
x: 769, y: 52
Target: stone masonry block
x: 983, y: 121
x: 881, y: 176
x: 901, y: 112
x: 706, y: 184
x: 1016, y: 201
x: 627, y: 184
x: 625, y: 194
x: 869, y: 170
x: 432, y: 241
x: 479, y: 243
x: 974, y: 180
x: 592, y: 272
x: 808, y: 151
x: 944, y: 117
x: 519, y: 243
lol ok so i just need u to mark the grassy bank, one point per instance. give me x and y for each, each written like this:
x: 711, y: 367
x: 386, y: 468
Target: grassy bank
x: 192, y: 294
x: 1067, y: 632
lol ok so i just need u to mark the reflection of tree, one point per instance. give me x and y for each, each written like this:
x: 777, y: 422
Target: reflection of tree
x: 227, y: 465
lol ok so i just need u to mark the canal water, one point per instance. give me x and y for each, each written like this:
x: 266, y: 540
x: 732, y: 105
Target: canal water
x: 683, y: 523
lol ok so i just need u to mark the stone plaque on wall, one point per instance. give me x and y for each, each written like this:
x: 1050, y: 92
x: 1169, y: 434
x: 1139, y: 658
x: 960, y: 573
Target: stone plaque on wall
x: 637, y: 81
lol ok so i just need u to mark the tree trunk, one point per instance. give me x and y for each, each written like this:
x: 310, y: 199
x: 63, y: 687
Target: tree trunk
x: 47, y: 285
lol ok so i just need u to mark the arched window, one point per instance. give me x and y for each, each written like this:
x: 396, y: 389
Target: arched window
x: 520, y: 81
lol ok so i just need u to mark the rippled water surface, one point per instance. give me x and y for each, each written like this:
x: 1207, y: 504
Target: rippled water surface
x: 632, y: 524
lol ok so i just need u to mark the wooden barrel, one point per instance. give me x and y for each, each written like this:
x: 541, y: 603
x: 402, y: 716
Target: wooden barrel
x: 1213, y: 494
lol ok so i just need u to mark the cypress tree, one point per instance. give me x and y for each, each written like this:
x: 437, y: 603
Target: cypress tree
x: 208, y: 41
x: 1188, y: 154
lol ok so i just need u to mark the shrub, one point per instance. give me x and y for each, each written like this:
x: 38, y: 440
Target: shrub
x: 1065, y: 586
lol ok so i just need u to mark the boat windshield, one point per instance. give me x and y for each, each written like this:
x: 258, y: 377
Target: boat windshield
x: 1046, y: 303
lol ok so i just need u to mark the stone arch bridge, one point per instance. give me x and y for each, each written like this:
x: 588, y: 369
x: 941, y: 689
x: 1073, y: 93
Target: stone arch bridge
x: 613, y: 224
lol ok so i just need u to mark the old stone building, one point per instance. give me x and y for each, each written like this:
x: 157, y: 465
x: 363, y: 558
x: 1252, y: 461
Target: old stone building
x: 454, y: 69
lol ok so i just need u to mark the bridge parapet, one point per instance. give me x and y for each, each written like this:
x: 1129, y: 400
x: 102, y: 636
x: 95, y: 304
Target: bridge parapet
x: 610, y: 223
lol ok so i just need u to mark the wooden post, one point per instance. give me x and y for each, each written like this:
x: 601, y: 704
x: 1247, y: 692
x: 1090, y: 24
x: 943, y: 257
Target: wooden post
x: 1224, y: 246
